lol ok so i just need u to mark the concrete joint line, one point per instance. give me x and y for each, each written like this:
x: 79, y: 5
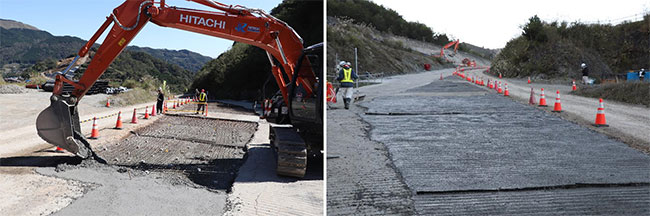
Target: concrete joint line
x: 554, y: 187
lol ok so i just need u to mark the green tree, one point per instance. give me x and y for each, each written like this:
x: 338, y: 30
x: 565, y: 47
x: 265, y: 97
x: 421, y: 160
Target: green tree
x: 534, y: 30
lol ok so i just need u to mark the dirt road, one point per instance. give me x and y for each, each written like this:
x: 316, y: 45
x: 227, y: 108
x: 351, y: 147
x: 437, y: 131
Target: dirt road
x: 461, y: 149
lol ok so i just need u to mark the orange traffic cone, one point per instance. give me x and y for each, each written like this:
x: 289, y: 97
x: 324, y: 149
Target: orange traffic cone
x: 496, y: 85
x: 574, y: 86
x: 500, y: 76
x: 499, y: 90
x: 118, y: 124
x: 206, y: 109
x: 532, y: 97
x: 153, y: 110
x: 506, y: 92
x: 528, y: 80
x: 600, y: 115
x: 146, y: 114
x: 94, y: 134
x: 165, y: 107
x: 558, y: 105
x: 108, y: 103
x: 134, y: 120
x: 174, y: 105
x: 542, y: 99
x: 489, y: 85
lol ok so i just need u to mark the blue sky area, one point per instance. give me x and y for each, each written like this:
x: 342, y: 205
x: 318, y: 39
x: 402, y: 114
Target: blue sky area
x: 82, y: 18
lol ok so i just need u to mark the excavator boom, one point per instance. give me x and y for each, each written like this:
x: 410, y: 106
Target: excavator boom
x: 59, y: 123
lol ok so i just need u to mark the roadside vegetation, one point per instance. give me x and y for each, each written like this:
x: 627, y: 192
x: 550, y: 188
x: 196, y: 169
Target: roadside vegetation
x: 555, y: 50
x: 633, y: 92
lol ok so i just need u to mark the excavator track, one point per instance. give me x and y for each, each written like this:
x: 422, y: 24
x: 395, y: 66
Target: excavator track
x: 291, y: 151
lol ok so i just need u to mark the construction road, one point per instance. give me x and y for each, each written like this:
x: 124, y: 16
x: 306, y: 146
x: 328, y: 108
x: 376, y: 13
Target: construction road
x: 174, y: 164
x: 419, y: 145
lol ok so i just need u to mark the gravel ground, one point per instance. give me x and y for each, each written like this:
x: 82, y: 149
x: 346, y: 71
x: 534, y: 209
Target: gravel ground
x: 14, y: 89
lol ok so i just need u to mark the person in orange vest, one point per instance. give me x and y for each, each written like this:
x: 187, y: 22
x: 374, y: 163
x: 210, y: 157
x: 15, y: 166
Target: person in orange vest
x: 203, y: 99
x: 346, y: 77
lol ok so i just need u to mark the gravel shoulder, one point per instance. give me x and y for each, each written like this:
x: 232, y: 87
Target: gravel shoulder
x: 627, y: 122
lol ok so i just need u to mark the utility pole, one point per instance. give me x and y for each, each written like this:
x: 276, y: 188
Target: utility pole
x: 356, y: 66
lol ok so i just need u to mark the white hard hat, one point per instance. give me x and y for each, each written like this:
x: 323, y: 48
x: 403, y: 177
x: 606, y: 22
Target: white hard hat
x: 583, y: 65
x: 348, y: 63
x: 341, y: 63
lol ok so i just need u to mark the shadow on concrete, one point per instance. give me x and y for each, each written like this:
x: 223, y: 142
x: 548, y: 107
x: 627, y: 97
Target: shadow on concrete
x: 261, y: 163
x: 39, y: 161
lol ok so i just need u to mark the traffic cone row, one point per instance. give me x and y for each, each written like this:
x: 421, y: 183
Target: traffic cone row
x: 134, y: 119
x: 558, y: 104
x: 542, y: 99
x: 574, y: 87
x: 600, y: 115
x: 531, y: 100
x: 118, y: 124
x: 94, y: 133
x: 146, y: 114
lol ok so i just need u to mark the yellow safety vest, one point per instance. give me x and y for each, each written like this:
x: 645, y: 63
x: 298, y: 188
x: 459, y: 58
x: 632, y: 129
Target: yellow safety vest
x: 347, y: 75
x: 202, y: 97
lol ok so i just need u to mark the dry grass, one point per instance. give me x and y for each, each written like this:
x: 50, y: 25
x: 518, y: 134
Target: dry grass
x: 134, y: 96
x: 633, y: 92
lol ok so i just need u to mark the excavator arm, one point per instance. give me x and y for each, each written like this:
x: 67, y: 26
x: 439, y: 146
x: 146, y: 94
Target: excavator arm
x: 59, y: 123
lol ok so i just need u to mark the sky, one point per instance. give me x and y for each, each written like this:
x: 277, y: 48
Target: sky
x: 82, y: 18
x: 492, y: 24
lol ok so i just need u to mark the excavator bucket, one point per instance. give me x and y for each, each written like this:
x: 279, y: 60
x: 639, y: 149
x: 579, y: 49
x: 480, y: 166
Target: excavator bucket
x: 58, y: 124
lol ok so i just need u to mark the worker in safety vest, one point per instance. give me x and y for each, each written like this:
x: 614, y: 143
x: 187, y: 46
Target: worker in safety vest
x: 347, y: 77
x: 203, y: 99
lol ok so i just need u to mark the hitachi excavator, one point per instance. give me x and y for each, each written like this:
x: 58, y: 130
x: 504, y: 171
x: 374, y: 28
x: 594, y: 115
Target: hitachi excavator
x: 447, y: 46
x: 296, y: 70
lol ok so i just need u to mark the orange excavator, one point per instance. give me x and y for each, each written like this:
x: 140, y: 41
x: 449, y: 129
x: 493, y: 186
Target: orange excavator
x: 295, y: 69
x: 447, y: 46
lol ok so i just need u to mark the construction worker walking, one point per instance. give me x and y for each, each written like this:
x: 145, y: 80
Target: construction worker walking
x: 346, y: 77
x: 203, y: 99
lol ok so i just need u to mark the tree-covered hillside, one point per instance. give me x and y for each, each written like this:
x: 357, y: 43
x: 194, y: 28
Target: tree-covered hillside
x: 28, y: 46
x: 383, y: 19
x: 240, y: 72
x: 186, y: 59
